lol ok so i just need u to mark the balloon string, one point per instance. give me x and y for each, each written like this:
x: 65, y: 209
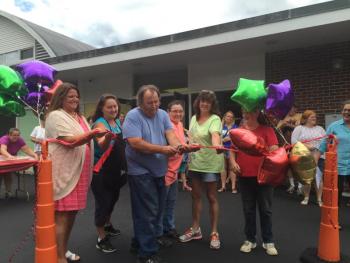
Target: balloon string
x: 194, y: 146
x: 25, y: 103
x: 278, y: 130
x: 289, y: 146
x: 38, y: 103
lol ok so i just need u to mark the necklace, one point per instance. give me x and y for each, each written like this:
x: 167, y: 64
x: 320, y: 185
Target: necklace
x: 73, y: 114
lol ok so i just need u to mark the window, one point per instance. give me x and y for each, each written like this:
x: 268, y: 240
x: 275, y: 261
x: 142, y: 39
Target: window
x: 10, y: 58
x: 27, y: 53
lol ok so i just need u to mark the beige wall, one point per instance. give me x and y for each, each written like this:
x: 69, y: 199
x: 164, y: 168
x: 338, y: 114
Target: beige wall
x: 224, y: 74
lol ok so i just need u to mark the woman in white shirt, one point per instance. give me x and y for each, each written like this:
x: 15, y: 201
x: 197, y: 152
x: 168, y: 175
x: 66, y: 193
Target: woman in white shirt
x: 306, y: 131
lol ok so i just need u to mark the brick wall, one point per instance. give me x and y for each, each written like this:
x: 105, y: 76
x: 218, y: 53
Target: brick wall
x: 317, y: 84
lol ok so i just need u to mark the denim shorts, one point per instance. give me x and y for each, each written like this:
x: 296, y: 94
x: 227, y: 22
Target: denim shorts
x: 204, y: 177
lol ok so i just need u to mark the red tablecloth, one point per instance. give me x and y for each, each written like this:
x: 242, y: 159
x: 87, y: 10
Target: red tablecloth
x: 15, y: 165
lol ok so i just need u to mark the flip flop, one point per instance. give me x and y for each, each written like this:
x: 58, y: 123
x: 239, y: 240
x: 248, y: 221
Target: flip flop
x: 72, y: 257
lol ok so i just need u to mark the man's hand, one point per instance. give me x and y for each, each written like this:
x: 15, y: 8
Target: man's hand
x: 10, y: 157
x: 36, y: 157
x: 169, y: 150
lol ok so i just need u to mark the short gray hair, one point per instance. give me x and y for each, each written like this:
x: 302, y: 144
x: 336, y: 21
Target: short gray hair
x: 344, y: 103
x: 142, y: 90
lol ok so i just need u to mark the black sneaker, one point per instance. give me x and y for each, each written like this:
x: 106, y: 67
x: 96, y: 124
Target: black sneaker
x: 134, y: 247
x: 172, y: 234
x: 152, y: 259
x: 111, y: 231
x: 105, y: 246
x: 164, y: 242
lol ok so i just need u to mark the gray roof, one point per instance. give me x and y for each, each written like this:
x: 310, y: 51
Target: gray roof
x: 60, y: 44
x: 209, y: 31
x: 57, y: 43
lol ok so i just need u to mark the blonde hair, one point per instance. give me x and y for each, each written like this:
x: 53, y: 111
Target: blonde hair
x: 227, y: 112
x: 306, y: 114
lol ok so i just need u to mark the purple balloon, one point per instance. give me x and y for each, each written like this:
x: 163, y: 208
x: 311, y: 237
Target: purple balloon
x: 280, y: 99
x: 33, y: 97
x: 31, y: 86
x: 37, y: 72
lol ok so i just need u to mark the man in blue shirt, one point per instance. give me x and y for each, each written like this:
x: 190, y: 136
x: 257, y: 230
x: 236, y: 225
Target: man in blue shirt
x: 341, y: 129
x: 150, y: 140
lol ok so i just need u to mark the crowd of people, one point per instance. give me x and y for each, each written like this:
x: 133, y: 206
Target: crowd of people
x: 151, y: 150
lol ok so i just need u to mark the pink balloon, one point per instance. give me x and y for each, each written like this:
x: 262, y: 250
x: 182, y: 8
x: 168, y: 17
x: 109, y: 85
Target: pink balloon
x: 52, y: 90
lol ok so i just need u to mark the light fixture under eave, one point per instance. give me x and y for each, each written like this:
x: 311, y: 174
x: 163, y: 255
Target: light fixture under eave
x: 337, y: 63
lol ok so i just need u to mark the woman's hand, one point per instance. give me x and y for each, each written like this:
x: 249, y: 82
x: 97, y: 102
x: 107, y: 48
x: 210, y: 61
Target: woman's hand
x: 226, y: 139
x: 220, y: 149
x: 235, y: 167
x: 99, y: 132
x: 109, y: 136
x: 186, y: 148
x: 186, y: 187
x: 309, y: 146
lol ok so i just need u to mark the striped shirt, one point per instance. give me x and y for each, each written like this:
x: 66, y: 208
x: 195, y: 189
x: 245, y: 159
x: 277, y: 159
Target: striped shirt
x: 302, y: 133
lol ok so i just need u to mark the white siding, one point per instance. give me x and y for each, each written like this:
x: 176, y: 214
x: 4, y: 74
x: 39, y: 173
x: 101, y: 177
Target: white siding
x: 13, y: 37
x: 120, y: 85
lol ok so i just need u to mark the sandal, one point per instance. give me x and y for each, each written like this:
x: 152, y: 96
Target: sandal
x: 222, y: 190
x: 72, y: 257
x: 290, y: 190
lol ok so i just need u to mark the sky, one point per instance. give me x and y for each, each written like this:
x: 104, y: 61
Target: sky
x: 102, y: 23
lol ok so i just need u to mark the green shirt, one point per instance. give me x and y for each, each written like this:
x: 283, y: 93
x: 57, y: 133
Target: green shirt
x: 205, y: 160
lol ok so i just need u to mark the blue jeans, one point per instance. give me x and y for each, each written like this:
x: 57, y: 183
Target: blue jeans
x: 147, y: 205
x: 253, y: 193
x: 169, y: 209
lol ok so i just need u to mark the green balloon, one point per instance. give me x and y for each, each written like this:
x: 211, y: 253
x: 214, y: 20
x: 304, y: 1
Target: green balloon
x: 11, y: 82
x: 11, y: 107
x: 250, y: 94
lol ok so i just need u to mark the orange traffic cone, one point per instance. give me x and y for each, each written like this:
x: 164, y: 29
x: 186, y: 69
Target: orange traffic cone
x: 328, y: 245
x: 45, y: 248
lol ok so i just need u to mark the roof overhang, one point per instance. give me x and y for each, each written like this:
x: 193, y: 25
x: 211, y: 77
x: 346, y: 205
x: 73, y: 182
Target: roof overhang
x: 30, y: 31
x: 284, y: 30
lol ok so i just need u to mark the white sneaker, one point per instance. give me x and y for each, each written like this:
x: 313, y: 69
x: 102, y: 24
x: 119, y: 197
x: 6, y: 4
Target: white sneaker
x: 8, y: 195
x: 247, y: 246
x: 270, y: 249
x: 305, y: 201
x: 214, y: 240
x: 299, y: 191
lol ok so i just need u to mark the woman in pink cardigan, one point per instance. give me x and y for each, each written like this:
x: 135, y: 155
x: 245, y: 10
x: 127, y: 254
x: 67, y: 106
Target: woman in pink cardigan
x: 71, y: 166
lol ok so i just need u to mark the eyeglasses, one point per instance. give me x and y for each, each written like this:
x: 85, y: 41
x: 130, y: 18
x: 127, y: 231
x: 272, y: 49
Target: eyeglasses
x: 177, y: 111
x: 346, y: 110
